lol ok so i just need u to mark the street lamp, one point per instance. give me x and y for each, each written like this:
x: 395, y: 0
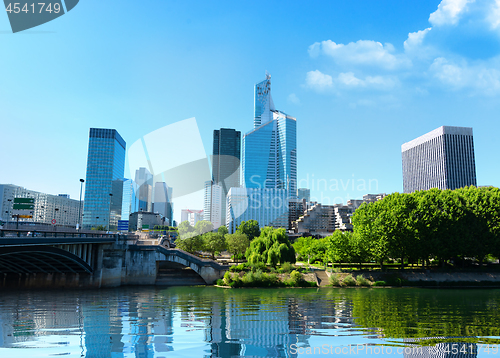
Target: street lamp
x: 80, y: 206
x: 109, y: 219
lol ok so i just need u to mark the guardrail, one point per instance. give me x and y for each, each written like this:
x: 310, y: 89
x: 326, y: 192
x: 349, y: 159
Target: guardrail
x: 51, y: 234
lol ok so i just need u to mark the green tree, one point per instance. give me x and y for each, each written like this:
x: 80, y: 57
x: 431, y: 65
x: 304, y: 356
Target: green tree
x: 271, y: 247
x: 304, y: 247
x: 186, y: 230
x: 237, y: 243
x: 99, y: 228
x: 222, y: 230
x: 214, y: 243
x: 191, y: 244
x: 203, y: 226
x: 250, y: 228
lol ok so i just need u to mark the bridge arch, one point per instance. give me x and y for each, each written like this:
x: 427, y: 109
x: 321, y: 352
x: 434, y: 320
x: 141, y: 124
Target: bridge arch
x: 209, y: 270
x: 41, y: 259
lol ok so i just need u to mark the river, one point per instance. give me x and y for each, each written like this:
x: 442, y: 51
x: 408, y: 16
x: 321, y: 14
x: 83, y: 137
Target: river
x: 216, y: 322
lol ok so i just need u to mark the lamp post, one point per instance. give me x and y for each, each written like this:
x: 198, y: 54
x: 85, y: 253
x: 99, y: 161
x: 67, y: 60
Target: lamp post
x: 55, y: 212
x: 109, y: 218
x: 80, y: 206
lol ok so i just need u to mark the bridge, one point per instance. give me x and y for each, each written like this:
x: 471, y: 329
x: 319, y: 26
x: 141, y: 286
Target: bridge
x: 90, y: 259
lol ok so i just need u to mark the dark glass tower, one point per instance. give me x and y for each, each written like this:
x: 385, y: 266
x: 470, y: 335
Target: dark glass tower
x: 104, y: 183
x: 226, y: 159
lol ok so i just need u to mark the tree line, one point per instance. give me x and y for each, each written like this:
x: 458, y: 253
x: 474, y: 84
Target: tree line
x: 424, y: 226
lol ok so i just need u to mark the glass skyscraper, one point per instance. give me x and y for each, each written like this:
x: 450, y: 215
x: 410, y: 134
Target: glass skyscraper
x: 442, y: 158
x: 269, y: 158
x: 104, y: 183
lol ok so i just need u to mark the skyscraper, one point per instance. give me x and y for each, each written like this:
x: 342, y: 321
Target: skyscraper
x: 144, y: 182
x: 225, y: 173
x: 163, y: 202
x: 442, y: 158
x: 104, y: 180
x: 269, y: 158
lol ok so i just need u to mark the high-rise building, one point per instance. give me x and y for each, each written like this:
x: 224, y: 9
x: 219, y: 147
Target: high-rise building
x: 192, y: 216
x: 269, y: 158
x: 268, y: 206
x: 225, y: 172
x: 129, y: 200
x: 442, y: 158
x: 144, y: 194
x: 163, y: 202
x: 212, y: 208
x: 104, y: 180
x: 304, y: 193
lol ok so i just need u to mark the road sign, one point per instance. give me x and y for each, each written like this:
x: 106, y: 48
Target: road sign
x: 24, y: 200
x: 54, y: 221
x: 25, y: 217
x: 23, y: 206
x: 122, y: 225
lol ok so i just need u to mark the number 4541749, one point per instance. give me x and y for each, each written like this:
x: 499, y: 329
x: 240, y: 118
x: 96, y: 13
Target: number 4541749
x: 33, y: 8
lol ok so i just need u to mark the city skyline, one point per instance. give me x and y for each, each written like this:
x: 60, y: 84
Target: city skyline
x: 365, y: 80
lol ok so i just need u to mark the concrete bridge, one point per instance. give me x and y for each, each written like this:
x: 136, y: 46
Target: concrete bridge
x: 90, y: 259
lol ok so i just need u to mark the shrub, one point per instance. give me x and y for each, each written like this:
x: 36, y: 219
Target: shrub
x: 349, y: 281
x: 296, y: 276
x: 220, y: 282
x: 361, y: 281
x: 257, y: 266
x: 227, y: 278
x: 334, y: 280
x: 237, y: 268
x: 286, y: 267
x: 379, y: 283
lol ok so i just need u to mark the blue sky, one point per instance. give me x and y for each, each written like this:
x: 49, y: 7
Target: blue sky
x: 361, y: 77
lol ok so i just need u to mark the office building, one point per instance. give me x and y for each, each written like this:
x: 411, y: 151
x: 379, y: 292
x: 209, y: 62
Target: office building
x: 269, y: 158
x: 144, y: 194
x: 226, y: 163
x: 213, y: 204
x: 104, y: 179
x: 192, y: 216
x: 163, y: 202
x: 303, y: 193
x: 268, y: 206
x: 129, y: 199
x: 46, y: 207
x: 143, y: 220
x: 442, y: 158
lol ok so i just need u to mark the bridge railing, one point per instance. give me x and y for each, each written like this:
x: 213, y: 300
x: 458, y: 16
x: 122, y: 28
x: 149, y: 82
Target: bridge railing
x: 65, y: 234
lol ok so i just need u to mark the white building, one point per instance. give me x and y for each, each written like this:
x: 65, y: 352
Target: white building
x: 46, y: 207
x: 193, y: 216
x: 442, y: 158
x: 213, y: 199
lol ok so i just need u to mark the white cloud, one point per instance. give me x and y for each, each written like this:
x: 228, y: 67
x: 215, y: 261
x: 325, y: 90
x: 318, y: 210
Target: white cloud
x: 349, y: 80
x: 480, y: 78
x: 292, y: 98
x: 494, y: 15
x: 318, y: 80
x: 415, y: 40
x: 362, y: 52
x: 449, y: 12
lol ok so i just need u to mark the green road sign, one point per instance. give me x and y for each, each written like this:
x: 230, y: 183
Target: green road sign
x: 23, y: 206
x: 145, y: 227
x: 24, y: 200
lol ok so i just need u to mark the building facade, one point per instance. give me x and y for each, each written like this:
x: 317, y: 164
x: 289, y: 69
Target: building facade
x: 442, y: 158
x: 212, y: 209
x: 269, y: 158
x: 47, y: 207
x: 268, y: 206
x: 143, y: 220
x: 129, y: 200
x: 192, y: 216
x: 104, y: 179
x: 144, y: 193
x: 163, y: 202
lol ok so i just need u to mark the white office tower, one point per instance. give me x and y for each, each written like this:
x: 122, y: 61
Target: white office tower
x: 443, y: 158
x: 213, y: 205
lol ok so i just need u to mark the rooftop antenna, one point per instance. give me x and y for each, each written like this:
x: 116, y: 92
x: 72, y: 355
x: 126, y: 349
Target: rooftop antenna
x: 268, y: 76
